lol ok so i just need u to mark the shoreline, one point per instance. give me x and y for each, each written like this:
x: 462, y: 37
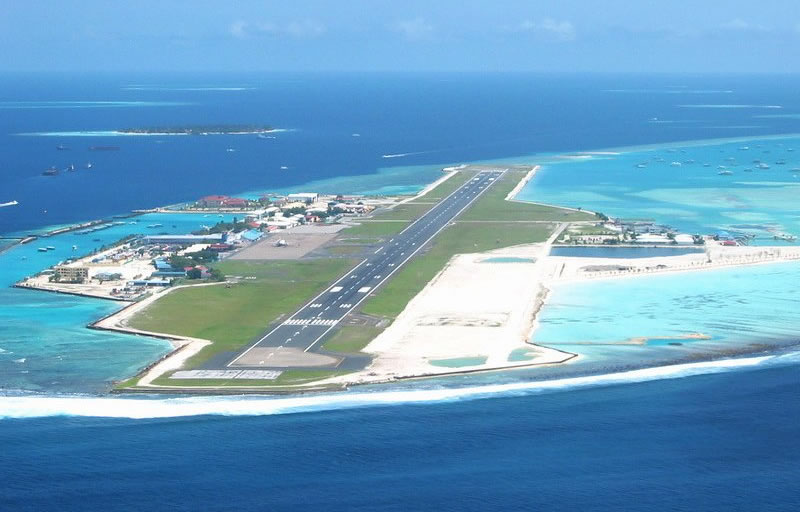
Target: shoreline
x: 159, y: 367
x: 181, y: 353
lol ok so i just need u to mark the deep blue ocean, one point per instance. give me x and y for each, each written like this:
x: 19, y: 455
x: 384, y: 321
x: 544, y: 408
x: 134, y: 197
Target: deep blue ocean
x: 719, y: 437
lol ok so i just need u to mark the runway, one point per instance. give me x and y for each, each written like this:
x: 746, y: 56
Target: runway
x: 292, y: 343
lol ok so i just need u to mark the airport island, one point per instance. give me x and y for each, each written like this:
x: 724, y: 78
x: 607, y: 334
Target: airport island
x: 220, y: 129
x: 306, y: 291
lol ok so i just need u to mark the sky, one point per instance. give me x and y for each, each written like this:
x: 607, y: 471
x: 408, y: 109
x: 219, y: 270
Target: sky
x: 401, y: 35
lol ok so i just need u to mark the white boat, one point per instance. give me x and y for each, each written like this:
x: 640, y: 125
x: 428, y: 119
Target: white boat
x: 42, y: 249
x: 725, y: 173
x: 675, y: 164
x: 10, y: 203
x: 88, y: 165
x: 154, y: 225
x: 763, y: 166
x: 744, y: 148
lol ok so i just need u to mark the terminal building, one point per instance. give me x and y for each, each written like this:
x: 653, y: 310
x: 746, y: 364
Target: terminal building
x: 303, y: 197
x: 211, y: 238
x: 72, y: 274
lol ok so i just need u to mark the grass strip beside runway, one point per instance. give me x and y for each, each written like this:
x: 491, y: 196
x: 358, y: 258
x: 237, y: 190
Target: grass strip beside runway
x: 232, y: 317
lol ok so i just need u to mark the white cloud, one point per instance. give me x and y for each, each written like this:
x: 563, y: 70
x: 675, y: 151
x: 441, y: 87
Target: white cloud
x: 741, y: 25
x: 549, y: 28
x: 297, y: 29
x: 238, y: 29
x: 415, y: 29
x: 305, y: 28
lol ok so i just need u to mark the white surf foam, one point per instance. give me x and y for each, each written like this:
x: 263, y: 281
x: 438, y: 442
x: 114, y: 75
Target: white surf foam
x: 400, y: 155
x: 114, y: 133
x: 715, y: 105
x: 139, y: 408
x: 85, y: 104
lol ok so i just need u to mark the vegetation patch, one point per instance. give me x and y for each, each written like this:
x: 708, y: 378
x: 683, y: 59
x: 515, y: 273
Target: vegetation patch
x: 352, y: 338
x: 230, y: 317
x: 492, y: 205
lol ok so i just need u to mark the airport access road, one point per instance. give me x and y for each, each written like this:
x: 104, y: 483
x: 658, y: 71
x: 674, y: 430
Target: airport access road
x: 296, y: 341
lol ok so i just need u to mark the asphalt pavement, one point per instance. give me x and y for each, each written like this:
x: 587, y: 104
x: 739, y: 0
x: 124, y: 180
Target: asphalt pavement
x: 296, y: 341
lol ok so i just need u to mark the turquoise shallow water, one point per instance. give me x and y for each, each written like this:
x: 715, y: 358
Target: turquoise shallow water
x: 734, y: 306
x: 57, y: 352
x: 691, y: 196
x: 44, y: 344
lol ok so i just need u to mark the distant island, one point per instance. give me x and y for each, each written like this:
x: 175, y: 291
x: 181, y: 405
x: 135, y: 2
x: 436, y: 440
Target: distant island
x: 219, y: 129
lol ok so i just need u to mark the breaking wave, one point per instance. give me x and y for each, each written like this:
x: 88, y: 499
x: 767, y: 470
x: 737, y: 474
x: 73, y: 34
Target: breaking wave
x: 145, y: 408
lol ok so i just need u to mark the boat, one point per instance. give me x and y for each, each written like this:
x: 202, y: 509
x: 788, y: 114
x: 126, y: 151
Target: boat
x: 780, y: 162
x: 88, y: 165
x: 50, y: 248
x: 796, y: 169
x: 283, y: 167
x: 744, y: 148
x: 690, y: 161
x: 103, y: 148
x: 725, y: 173
x: 721, y: 167
x: 62, y: 147
x: 763, y: 166
x: 785, y: 237
x: 74, y: 247
x: 52, y: 171
x: 42, y: 249
x: 10, y: 203
x: 154, y: 225
x: 675, y: 164
x: 748, y: 170
x: 706, y: 165
x: 70, y: 168
x: 641, y: 166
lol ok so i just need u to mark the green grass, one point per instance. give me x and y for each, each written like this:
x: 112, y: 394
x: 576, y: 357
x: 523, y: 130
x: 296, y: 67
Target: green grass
x: 406, y: 211
x: 461, y: 238
x: 375, y: 228
x: 492, y: 205
x: 232, y: 317
x: 345, y: 249
x: 351, y: 338
x: 446, y: 188
x: 287, y: 378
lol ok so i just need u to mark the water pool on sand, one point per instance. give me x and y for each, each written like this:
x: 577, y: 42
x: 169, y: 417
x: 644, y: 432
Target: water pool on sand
x: 508, y: 259
x: 459, y: 362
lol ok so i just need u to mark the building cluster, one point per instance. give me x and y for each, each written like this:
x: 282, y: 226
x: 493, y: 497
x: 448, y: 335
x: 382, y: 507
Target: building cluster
x: 628, y: 232
x: 274, y: 212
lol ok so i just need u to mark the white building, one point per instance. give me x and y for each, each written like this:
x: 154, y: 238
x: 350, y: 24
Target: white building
x: 303, y: 197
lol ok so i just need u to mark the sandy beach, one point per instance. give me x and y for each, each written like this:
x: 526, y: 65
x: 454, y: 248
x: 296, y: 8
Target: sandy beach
x: 479, y: 313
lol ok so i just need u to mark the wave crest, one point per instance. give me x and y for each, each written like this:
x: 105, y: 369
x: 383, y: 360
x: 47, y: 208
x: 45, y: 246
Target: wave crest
x: 140, y: 408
